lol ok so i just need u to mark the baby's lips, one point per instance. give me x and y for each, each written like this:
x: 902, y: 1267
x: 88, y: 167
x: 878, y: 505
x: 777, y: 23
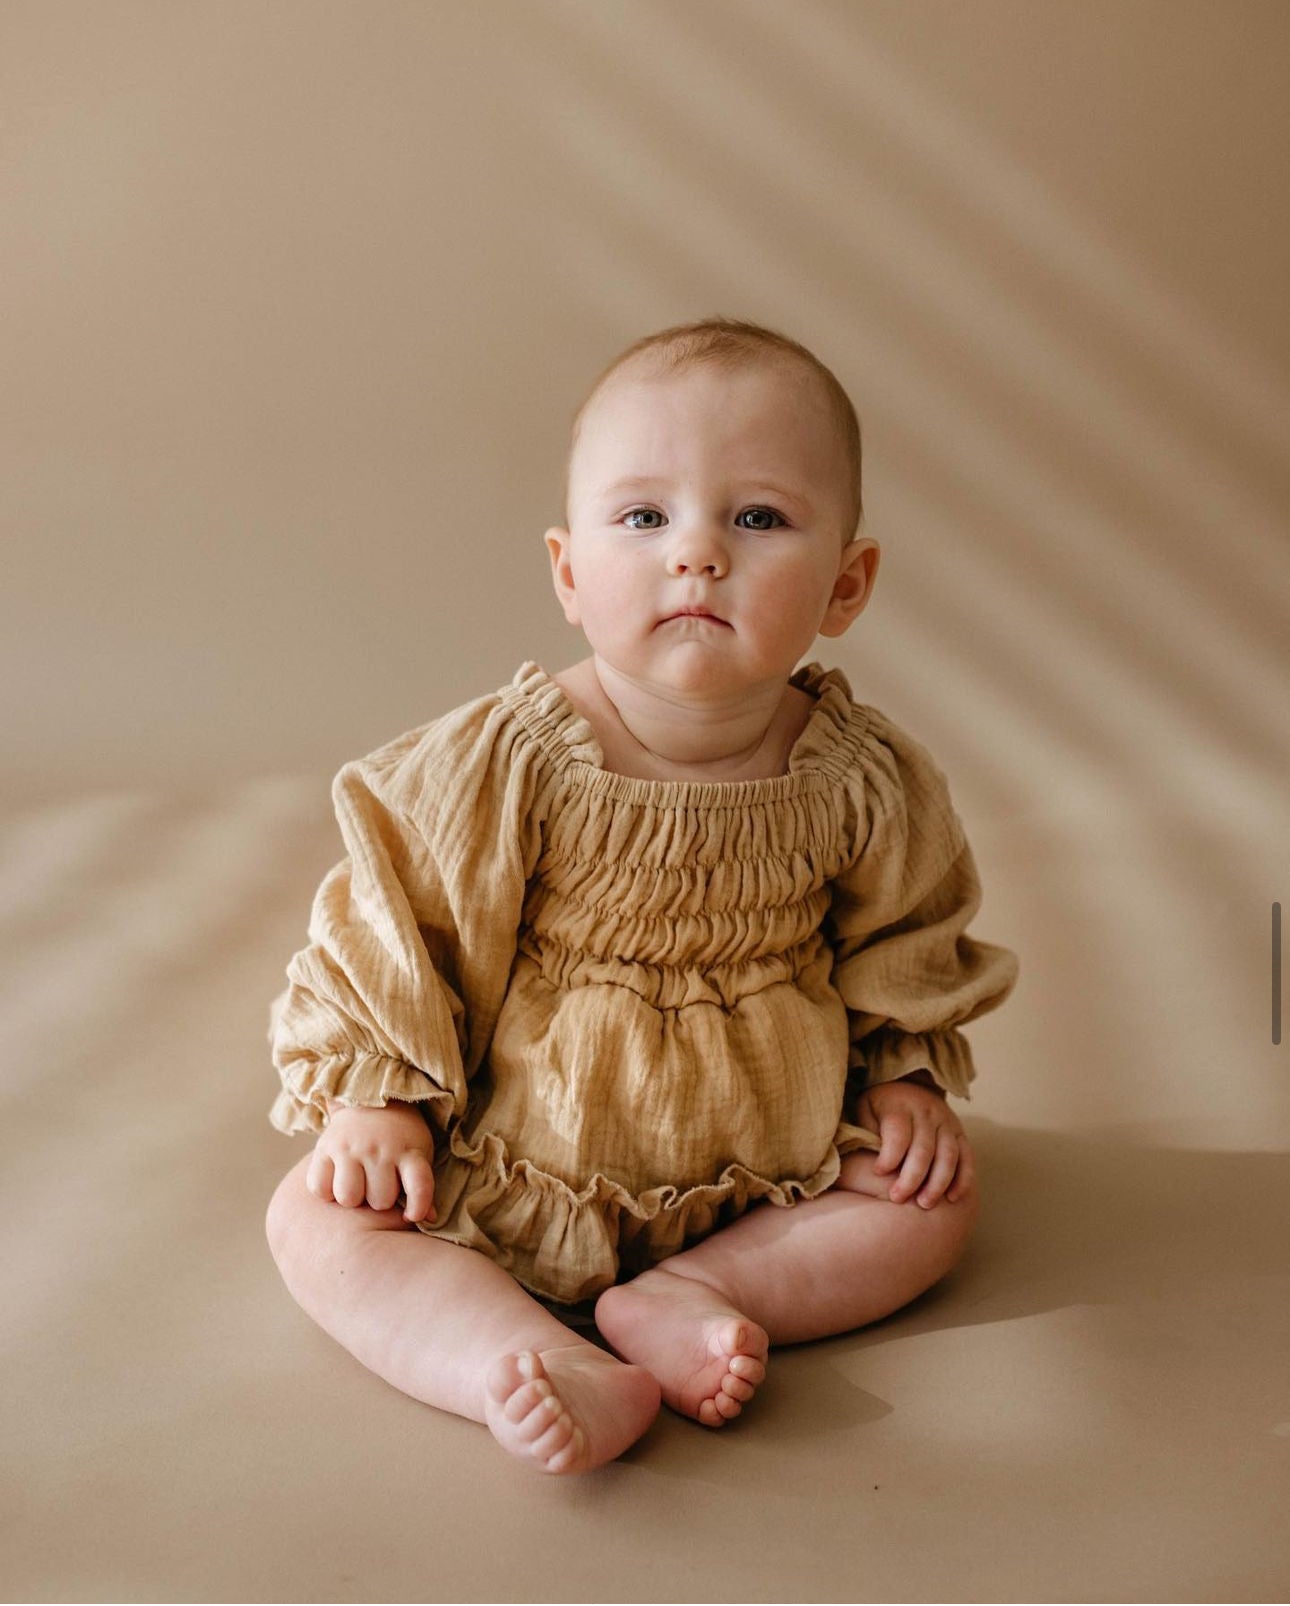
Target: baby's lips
x: 712, y: 618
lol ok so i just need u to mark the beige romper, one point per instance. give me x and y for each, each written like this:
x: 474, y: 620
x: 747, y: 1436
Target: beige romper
x: 630, y: 1008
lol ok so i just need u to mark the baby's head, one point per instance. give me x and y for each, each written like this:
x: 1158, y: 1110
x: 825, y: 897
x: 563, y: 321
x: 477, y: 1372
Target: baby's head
x: 714, y: 464
x: 725, y: 347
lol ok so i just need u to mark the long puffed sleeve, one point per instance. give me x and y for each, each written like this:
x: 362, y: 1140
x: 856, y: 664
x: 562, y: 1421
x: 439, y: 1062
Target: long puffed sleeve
x: 906, y: 969
x: 413, y: 934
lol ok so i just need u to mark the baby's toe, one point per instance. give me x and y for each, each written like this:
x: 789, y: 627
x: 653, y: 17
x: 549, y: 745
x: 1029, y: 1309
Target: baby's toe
x: 511, y: 1372
x: 731, y: 1338
x: 748, y: 1369
x: 532, y: 1423
x: 737, y: 1389
x: 528, y: 1403
x: 553, y: 1438
x: 572, y: 1453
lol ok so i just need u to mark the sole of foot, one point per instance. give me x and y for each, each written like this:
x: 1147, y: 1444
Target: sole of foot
x: 570, y: 1408
x: 707, y: 1357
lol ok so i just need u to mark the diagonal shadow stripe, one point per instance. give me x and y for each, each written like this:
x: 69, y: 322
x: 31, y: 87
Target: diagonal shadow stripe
x: 797, y: 169
x: 622, y: 166
x: 855, y: 79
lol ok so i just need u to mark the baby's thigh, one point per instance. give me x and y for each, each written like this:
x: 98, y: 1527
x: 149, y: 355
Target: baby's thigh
x: 298, y: 1221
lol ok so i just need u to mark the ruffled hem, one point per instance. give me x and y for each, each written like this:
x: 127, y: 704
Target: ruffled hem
x: 947, y: 1055
x: 367, y: 1083
x: 568, y: 1245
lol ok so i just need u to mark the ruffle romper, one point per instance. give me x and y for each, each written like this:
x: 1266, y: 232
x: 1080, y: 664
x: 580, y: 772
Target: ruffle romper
x: 631, y: 1008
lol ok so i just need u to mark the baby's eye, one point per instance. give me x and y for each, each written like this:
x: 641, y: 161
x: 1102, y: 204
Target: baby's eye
x: 762, y: 516
x: 643, y: 513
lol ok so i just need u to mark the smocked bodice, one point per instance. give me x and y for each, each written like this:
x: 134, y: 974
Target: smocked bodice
x: 684, y: 890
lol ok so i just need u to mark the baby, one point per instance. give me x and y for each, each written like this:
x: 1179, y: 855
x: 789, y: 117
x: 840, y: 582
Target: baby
x: 637, y: 994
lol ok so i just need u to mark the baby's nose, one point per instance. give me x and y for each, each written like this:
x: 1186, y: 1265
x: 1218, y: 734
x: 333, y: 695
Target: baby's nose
x: 697, y: 551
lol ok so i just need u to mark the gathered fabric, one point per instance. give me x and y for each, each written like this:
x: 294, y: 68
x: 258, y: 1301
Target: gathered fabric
x: 630, y: 1009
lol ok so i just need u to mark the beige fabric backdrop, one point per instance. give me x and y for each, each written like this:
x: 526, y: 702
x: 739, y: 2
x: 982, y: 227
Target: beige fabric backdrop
x: 297, y: 299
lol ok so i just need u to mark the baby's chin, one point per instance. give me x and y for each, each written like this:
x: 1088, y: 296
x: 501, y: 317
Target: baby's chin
x: 699, y: 666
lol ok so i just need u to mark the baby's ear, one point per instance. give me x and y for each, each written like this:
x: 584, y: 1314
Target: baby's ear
x: 558, y: 545
x: 853, y: 586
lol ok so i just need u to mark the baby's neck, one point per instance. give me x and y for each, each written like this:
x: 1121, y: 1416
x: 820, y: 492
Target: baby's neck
x: 661, y: 737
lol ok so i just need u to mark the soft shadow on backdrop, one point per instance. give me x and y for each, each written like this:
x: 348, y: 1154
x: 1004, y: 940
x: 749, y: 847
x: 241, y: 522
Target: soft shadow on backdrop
x: 298, y: 300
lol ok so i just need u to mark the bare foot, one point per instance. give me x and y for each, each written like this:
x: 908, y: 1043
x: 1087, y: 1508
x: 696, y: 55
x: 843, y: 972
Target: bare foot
x: 707, y: 1357
x: 570, y: 1408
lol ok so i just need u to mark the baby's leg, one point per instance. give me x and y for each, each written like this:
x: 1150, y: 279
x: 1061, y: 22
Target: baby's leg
x: 702, y: 1321
x: 448, y: 1326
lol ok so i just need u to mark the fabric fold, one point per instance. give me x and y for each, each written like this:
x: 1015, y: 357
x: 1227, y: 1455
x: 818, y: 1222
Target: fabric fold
x: 371, y: 1081
x: 568, y: 1245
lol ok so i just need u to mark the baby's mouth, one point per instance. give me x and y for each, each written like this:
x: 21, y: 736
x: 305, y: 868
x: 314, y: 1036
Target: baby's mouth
x: 697, y: 613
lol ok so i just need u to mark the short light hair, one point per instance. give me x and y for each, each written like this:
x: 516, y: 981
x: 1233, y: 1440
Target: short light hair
x: 729, y: 345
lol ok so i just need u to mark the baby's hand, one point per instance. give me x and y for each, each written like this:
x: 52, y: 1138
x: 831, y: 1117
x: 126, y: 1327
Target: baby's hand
x: 922, y: 1139
x: 370, y: 1156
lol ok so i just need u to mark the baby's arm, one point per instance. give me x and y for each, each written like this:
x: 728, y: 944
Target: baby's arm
x: 369, y: 1156
x: 922, y: 1139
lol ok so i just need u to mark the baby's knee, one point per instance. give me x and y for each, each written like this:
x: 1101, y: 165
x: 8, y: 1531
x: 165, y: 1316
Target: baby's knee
x: 288, y: 1206
x: 954, y: 1220
x: 298, y: 1224
x: 944, y: 1229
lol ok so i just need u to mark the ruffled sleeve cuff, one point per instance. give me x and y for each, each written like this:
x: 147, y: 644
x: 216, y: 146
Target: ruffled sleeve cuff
x: 887, y: 1055
x: 366, y: 1081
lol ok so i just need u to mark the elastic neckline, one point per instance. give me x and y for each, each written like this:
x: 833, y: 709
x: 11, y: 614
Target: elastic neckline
x: 823, y: 751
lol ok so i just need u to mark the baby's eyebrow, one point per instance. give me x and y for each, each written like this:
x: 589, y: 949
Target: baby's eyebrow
x: 649, y: 482
x: 632, y: 482
x: 781, y: 495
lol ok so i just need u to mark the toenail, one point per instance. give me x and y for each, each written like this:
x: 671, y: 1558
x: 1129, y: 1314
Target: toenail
x: 528, y: 1364
x: 542, y: 1388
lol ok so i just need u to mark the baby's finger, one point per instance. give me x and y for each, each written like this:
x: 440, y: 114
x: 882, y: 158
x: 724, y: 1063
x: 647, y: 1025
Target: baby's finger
x: 350, y: 1185
x: 922, y: 1151
x: 318, y: 1178
x: 965, y: 1176
x: 382, y: 1184
x: 944, y: 1167
x: 894, y: 1132
x: 418, y: 1187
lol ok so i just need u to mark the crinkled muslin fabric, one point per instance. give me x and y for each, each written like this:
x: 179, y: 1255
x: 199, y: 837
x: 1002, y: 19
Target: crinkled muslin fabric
x: 630, y: 1008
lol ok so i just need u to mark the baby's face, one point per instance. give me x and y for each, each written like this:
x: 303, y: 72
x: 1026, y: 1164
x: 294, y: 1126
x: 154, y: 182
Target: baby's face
x: 720, y: 491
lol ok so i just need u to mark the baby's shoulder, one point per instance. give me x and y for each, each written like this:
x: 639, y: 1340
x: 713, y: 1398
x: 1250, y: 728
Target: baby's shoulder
x: 437, y: 759
x: 888, y: 750
x: 907, y: 802
x: 451, y: 731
